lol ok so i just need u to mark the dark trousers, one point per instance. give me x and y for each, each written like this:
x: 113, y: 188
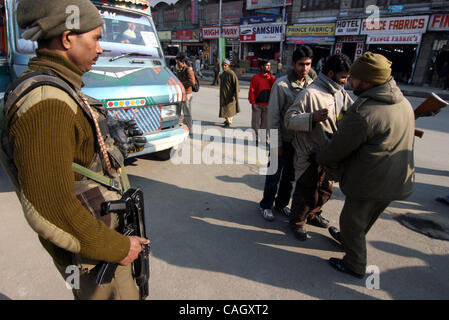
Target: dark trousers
x: 284, y: 177
x: 312, y: 191
x: 216, y: 78
x: 356, y: 219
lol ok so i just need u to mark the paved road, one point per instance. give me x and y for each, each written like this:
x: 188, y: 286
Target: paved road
x: 210, y: 242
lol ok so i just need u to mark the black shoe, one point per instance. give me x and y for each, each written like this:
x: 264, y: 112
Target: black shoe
x: 335, y: 234
x: 300, y: 233
x: 227, y: 125
x: 318, y: 221
x: 339, y: 265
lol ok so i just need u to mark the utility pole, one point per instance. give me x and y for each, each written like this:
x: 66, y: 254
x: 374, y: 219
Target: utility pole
x: 281, y: 50
x: 219, y: 34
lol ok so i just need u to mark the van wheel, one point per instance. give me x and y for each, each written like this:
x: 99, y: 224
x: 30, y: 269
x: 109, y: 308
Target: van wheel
x: 164, y: 154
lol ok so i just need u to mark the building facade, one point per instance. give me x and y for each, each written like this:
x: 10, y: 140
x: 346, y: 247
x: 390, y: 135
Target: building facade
x: 413, y: 34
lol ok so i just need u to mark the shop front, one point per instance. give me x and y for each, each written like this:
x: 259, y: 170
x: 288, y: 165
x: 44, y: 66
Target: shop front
x: 434, y: 58
x: 399, y: 40
x: 189, y: 40
x: 348, y: 39
x: 261, y: 38
x: 230, y: 34
x: 319, y: 37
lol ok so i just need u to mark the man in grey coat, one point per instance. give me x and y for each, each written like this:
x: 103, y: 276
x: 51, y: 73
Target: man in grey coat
x: 278, y: 186
x: 313, y: 117
x: 373, y: 151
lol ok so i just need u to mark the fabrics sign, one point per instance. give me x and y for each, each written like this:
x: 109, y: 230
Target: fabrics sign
x: 439, y: 22
x: 394, y: 39
x: 395, y: 25
x: 311, y: 30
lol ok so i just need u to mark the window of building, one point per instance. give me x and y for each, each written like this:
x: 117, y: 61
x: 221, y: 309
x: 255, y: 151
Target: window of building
x: 310, y: 5
x: 358, y: 3
x: 394, y: 2
x: 381, y: 3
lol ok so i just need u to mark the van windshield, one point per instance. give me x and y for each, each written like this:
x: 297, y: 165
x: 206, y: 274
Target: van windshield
x: 123, y: 32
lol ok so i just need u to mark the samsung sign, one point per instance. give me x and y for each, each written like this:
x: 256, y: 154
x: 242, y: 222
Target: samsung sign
x: 261, y: 33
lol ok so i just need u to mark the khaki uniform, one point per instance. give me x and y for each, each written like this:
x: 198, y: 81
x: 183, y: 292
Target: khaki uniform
x: 373, y: 151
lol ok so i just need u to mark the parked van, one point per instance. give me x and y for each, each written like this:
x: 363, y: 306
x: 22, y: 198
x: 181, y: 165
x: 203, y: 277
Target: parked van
x: 131, y: 77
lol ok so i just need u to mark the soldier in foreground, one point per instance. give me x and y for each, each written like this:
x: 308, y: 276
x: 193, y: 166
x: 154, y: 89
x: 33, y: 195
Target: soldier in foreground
x: 51, y: 131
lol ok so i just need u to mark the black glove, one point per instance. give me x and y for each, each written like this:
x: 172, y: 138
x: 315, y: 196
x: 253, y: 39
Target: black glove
x: 128, y: 138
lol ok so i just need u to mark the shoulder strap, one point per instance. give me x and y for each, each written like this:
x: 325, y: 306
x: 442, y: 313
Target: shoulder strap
x: 24, y: 85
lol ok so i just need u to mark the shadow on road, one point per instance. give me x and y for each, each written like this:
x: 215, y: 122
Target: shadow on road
x: 213, y: 232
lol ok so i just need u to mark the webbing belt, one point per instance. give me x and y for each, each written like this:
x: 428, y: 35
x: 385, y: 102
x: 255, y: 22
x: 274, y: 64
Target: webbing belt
x: 120, y: 186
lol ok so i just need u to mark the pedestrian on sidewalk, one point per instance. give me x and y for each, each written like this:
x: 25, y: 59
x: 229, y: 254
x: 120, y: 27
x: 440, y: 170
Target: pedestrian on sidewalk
x: 313, y: 117
x: 187, y: 78
x: 258, y: 96
x: 373, y: 150
x: 229, y: 94
x: 217, y: 71
x: 198, y: 72
x: 278, y: 187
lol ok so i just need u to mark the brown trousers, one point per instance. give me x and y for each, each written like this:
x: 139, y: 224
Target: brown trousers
x: 122, y: 286
x: 312, y: 191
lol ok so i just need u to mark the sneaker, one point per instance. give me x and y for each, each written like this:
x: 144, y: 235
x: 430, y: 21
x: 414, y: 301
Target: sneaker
x: 285, y: 211
x: 267, y: 214
x: 318, y: 221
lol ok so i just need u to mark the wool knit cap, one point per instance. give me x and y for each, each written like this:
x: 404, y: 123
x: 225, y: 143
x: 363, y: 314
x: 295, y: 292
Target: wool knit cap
x: 371, y: 67
x: 46, y: 19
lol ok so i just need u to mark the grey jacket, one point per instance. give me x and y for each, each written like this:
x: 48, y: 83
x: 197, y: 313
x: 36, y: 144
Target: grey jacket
x: 282, y: 95
x: 373, y: 147
x: 309, y: 137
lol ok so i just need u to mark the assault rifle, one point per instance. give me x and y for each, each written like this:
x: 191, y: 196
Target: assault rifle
x: 131, y: 214
x: 430, y: 107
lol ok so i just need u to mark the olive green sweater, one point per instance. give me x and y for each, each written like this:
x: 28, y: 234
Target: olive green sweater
x: 47, y: 138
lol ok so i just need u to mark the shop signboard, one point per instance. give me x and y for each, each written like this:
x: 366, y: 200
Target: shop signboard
x: 230, y: 31
x: 227, y: 32
x: 261, y: 32
x: 395, y: 25
x: 164, y: 35
x: 261, y: 19
x: 338, y: 47
x: 348, y: 27
x: 185, y: 36
x: 439, y: 22
x: 358, y: 50
x: 311, y: 30
x: 394, y: 39
x: 311, y: 40
x: 259, y: 4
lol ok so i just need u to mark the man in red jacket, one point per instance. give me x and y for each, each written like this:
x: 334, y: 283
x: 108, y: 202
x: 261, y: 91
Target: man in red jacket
x: 258, y: 96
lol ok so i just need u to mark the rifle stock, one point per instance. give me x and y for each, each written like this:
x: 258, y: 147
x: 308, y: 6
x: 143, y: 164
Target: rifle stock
x: 130, y: 210
x: 430, y: 106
